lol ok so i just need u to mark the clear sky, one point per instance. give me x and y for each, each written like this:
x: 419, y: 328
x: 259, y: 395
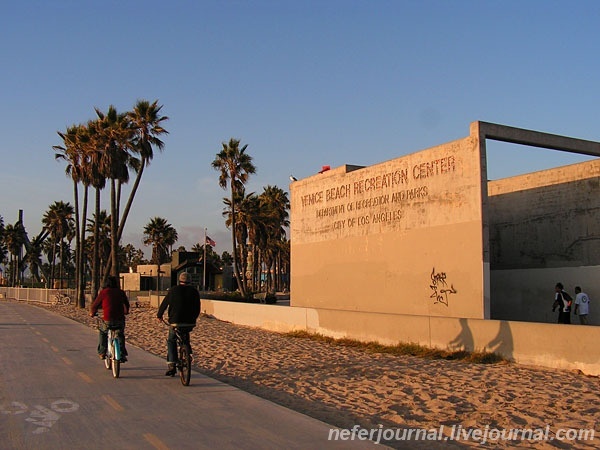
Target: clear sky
x: 302, y: 83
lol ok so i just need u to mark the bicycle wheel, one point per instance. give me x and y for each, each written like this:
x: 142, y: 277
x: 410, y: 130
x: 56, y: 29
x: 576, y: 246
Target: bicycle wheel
x: 116, y: 368
x: 66, y: 300
x: 186, y: 363
x: 55, y: 299
x: 109, y: 355
x: 116, y: 345
x: 116, y: 354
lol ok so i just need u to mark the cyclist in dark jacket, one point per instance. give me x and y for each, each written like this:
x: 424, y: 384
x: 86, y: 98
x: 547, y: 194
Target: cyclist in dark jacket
x: 115, y: 305
x: 182, y: 303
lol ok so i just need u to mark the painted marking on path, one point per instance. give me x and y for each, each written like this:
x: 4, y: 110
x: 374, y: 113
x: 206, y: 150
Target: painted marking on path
x: 112, y: 402
x: 85, y: 377
x: 13, y: 408
x: 54, y: 349
x: 155, y: 442
x: 67, y: 361
x: 40, y: 416
x: 46, y: 340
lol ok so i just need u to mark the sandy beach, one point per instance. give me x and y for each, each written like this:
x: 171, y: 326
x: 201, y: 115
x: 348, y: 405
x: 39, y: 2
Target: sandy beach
x: 348, y: 387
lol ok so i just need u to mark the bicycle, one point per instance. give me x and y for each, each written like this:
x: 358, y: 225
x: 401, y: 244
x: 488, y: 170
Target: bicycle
x: 60, y: 298
x: 112, y: 360
x: 184, y: 349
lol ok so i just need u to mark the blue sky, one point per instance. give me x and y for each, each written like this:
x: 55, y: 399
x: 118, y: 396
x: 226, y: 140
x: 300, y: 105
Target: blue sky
x: 302, y: 83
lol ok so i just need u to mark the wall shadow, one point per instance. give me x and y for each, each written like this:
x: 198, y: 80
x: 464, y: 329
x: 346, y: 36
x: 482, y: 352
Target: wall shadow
x: 464, y: 340
x: 502, y: 343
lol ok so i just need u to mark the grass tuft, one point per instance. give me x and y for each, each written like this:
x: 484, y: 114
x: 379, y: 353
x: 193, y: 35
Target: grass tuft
x: 410, y: 349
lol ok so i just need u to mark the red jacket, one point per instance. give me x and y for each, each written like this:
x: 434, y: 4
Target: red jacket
x: 114, y: 304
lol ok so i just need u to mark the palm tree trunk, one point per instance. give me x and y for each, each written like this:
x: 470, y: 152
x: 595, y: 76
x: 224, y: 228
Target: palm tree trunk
x: 96, y: 251
x: 82, y: 254
x: 127, y: 208
x: 78, y: 246
x: 236, y: 259
x: 53, y: 269
x: 60, y: 263
x: 114, y: 243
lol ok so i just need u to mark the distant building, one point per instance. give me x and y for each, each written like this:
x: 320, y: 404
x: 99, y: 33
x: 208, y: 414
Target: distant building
x: 146, y: 277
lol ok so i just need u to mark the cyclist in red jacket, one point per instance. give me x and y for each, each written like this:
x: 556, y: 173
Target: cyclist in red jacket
x: 115, y: 305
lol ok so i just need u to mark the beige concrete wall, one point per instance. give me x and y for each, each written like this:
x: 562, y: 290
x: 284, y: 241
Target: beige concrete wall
x: 544, y: 228
x: 572, y: 347
x: 546, y: 219
x: 130, y: 281
x: 404, y: 236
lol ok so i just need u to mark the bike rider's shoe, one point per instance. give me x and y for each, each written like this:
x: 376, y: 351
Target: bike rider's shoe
x: 172, y: 371
x: 102, y: 355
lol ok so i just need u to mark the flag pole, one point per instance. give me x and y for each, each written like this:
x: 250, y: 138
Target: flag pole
x: 204, y: 263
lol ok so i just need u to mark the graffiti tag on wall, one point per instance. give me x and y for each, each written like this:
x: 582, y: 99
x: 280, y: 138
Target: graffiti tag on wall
x: 440, y: 288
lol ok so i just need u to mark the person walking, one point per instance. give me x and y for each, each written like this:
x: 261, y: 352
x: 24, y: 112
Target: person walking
x: 582, y: 305
x: 562, y: 301
x: 182, y: 304
x: 115, y: 306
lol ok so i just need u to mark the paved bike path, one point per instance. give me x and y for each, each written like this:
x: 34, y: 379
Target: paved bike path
x: 56, y: 394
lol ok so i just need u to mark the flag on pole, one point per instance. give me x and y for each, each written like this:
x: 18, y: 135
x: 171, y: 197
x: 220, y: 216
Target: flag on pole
x: 210, y: 242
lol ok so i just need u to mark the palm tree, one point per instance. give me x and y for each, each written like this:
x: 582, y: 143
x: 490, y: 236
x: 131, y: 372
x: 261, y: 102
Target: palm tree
x: 107, y: 148
x: 95, y: 169
x: 115, y: 135
x: 226, y: 259
x: 99, y: 241
x: 3, y: 250
x: 145, y: 126
x: 58, y: 220
x: 145, y: 122
x: 235, y: 166
x: 211, y: 256
x: 161, y: 236
x: 33, y: 256
x: 132, y: 256
x: 274, y: 205
x: 75, y: 152
x: 14, y: 238
x: 250, y: 229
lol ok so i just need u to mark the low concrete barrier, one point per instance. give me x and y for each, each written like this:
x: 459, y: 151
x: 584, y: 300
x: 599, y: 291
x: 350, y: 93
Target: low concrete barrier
x: 570, y: 347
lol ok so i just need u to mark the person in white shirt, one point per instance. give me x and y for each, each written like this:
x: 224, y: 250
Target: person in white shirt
x: 582, y: 305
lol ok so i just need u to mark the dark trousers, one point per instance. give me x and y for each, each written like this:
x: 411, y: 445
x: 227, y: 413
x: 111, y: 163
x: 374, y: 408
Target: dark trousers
x: 103, y: 336
x: 172, y: 356
x: 564, y: 317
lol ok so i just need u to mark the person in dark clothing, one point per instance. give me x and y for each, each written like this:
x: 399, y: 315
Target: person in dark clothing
x: 182, y: 304
x: 115, y: 305
x: 562, y: 301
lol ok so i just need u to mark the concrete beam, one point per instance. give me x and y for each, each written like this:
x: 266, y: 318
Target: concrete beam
x: 486, y: 130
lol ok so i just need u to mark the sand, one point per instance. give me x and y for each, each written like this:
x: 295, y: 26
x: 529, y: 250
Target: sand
x: 346, y: 386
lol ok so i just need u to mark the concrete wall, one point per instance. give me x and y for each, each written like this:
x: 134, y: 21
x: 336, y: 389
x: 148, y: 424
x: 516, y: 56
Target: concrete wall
x: 426, y: 234
x: 549, y: 345
x: 546, y: 219
x: 528, y: 294
x: 544, y: 228
x: 404, y: 236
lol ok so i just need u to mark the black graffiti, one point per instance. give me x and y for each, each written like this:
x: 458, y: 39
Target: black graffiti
x: 440, y: 289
